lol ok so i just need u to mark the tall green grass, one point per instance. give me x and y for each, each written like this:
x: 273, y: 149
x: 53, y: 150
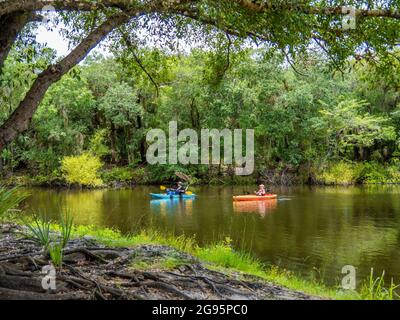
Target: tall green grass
x: 223, y: 257
x: 56, y: 254
x: 375, y: 288
x: 66, y: 224
x: 10, y: 199
x: 39, y: 230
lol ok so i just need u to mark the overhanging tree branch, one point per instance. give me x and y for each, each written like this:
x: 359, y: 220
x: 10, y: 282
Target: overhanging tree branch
x: 268, y: 6
x: 10, y: 6
x: 19, y: 120
x: 131, y: 49
x: 11, y: 25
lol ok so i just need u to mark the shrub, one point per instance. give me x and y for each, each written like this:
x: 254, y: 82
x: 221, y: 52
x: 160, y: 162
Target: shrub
x: 98, y: 145
x: 394, y: 173
x: 125, y: 175
x: 338, y: 173
x: 371, y: 172
x: 82, y: 170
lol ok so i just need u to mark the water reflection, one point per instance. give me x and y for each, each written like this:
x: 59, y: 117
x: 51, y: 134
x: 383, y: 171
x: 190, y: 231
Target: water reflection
x: 261, y: 207
x: 172, y: 206
x: 318, y: 229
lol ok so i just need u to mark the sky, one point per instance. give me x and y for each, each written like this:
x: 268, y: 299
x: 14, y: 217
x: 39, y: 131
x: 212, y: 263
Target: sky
x: 53, y: 40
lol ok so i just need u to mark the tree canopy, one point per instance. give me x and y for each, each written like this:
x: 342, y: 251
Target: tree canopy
x: 294, y: 28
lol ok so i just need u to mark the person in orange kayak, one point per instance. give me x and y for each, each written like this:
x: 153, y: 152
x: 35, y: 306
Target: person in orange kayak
x: 261, y: 191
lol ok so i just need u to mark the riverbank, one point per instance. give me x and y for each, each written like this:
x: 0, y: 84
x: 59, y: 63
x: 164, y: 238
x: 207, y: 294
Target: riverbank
x: 92, y: 270
x: 101, y: 263
x: 335, y: 173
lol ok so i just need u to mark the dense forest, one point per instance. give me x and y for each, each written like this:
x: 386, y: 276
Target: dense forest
x: 317, y: 82
x: 313, y: 124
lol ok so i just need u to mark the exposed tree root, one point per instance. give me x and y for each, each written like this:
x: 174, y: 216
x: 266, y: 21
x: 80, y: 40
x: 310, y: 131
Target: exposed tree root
x: 91, y: 271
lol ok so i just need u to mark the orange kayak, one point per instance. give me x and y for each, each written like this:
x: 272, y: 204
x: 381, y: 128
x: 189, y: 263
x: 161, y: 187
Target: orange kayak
x: 254, y: 197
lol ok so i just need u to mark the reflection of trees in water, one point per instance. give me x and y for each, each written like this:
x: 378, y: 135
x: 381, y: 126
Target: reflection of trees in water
x: 85, y: 206
x: 323, y: 228
x: 328, y: 233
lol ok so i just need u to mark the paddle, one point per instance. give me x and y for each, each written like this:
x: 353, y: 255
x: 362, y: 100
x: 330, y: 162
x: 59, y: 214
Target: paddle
x: 183, y: 177
x: 186, y: 178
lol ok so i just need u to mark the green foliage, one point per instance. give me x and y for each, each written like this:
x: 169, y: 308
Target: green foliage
x: 301, y: 119
x: 122, y: 174
x: 98, y: 145
x: 338, y: 173
x: 10, y: 199
x: 120, y: 106
x: 66, y: 224
x: 374, y: 288
x: 82, y: 170
x: 56, y: 254
x: 39, y: 230
x: 348, y: 125
x: 346, y: 173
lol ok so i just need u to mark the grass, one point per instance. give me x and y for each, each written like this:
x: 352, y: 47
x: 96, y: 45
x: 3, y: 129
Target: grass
x: 10, y: 199
x: 220, y: 256
x: 39, y: 230
x: 56, y: 254
x: 375, y: 288
x: 66, y: 224
x: 168, y: 263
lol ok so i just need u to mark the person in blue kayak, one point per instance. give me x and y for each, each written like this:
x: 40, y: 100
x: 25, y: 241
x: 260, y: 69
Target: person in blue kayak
x: 261, y: 191
x: 180, y: 189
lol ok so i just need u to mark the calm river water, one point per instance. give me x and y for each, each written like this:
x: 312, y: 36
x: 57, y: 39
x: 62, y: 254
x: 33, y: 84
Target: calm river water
x: 313, y: 232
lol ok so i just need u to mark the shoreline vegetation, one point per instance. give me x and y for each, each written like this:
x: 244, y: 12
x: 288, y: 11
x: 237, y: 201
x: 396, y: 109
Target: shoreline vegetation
x: 151, y: 253
x: 342, y: 173
x: 311, y: 126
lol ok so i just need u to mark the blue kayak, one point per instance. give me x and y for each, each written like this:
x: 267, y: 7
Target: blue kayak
x: 172, y: 196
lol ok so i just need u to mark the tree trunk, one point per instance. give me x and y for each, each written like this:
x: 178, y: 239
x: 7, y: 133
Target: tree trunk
x: 11, y: 25
x: 20, y: 119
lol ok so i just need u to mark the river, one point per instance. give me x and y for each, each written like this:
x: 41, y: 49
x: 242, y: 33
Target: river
x: 311, y: 231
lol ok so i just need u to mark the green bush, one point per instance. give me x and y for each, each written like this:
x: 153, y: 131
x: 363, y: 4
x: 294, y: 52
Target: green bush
x: 82, y: 170
x: 118, y: 175
x: 338, y: 173
x: 394, y: 172
x: 364, y: 172
x: 98, y: 143
x: 140, y: 175
x: 371, y: 172
x: 125, y: 175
